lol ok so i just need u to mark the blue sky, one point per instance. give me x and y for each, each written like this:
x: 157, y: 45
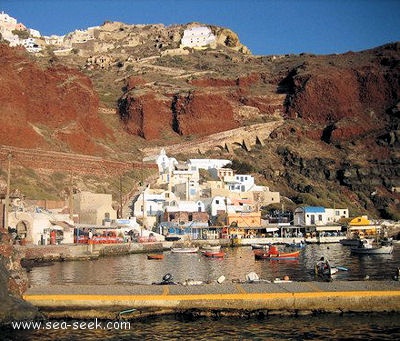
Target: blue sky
x: 265, y: 26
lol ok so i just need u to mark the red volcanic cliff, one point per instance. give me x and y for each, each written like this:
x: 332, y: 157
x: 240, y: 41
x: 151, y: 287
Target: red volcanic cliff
x: 350, y: 92
x: 346, y: 95
x: 150, y: 114
x: 46, y: 108
x: 202, y: 113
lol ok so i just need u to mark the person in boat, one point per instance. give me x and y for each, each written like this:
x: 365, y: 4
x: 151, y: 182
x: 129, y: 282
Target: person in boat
x: 322, y: 266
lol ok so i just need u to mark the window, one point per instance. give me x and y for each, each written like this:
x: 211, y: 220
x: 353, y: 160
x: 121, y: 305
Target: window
x: 217, y: 202
x: 320, y: 217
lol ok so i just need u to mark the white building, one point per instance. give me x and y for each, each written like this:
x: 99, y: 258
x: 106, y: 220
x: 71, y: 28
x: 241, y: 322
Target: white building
x: 185, y: 206
x: 54, y: 40
x: 35, y: 226
x: 165, y: 166
x: 185, y: 184
x: 218, y: 204
x: 197, y: 37
x: 317, y: 215
x: 240, y: 183
x: 196, y: 164
x: 7, y: 22
x: 34, y: 33
x: 31, y: 45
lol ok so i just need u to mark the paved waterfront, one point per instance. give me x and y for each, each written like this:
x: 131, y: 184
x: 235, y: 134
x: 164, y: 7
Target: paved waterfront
x: 79, y: 301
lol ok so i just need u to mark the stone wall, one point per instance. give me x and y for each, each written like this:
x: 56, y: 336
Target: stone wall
x: 77, y: 163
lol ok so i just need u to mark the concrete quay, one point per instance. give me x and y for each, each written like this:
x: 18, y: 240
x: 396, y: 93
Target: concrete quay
x: 257, y: 298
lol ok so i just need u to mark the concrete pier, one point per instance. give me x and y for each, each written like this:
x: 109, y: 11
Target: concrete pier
x: 297, y: 298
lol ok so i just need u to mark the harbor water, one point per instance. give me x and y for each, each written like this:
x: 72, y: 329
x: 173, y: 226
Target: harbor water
x: 136, y: 269
x: 239, y: 261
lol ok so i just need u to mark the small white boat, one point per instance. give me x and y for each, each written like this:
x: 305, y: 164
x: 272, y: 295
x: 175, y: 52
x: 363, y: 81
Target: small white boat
x: 367, y: 247
x: 206, y: 248
x: 260, y: 246
x: 352, y: 241
x: 184, y: 249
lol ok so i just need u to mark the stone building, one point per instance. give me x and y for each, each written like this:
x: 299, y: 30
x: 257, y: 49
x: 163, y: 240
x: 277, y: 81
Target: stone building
x: 94, y: 208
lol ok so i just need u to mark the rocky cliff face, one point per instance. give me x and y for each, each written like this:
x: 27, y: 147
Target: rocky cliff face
x: 13, y: 283
x: 341, y: 112
x: 350, y: 94
x: 52, y: 108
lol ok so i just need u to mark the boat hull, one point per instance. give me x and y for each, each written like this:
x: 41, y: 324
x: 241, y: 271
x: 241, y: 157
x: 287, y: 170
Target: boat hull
x: 260, y: 254
x: 214, y: 254
x: 381, y: 250
x: 185, y: 250
x: 211, y: 248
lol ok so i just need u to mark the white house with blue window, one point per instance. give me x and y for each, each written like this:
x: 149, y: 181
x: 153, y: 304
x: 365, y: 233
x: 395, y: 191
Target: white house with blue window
x: 310, y: 215
x: 321, y: 225
x: 318, y: 215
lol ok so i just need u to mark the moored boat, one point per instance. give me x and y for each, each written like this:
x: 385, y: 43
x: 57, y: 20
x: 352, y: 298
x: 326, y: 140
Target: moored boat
x: 349, y: 241
x: 214, y: 254
x: 324, y: 269
x: 260, y: 246
x: 368, y: 247
x: 211, y: 248
x: 273, y: 254
x: 157, y: 256
x: 184, y: 249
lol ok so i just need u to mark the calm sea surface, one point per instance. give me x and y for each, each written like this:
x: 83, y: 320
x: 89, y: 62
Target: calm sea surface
x: 134, y: 269
x: 239, y: 261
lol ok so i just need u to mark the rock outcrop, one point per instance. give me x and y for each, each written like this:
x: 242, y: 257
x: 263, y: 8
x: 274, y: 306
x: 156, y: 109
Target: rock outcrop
x: 53, y: 108
x: 350, y: 94
x: 13, y: 283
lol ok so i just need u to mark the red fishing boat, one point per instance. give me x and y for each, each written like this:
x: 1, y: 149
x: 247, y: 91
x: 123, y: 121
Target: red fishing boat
x: 214, y: 254
x: 274, y: 254
x: 155, y: 256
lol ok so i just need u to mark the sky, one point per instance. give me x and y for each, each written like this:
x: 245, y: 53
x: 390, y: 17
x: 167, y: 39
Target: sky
x: 266, y: 27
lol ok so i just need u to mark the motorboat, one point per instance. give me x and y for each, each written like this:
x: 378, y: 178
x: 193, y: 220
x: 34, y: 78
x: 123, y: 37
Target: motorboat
x: 370, y: 247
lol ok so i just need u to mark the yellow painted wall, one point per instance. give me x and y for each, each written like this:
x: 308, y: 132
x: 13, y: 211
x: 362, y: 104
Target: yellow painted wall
x: 358, y: 221
x: 252, y: 219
